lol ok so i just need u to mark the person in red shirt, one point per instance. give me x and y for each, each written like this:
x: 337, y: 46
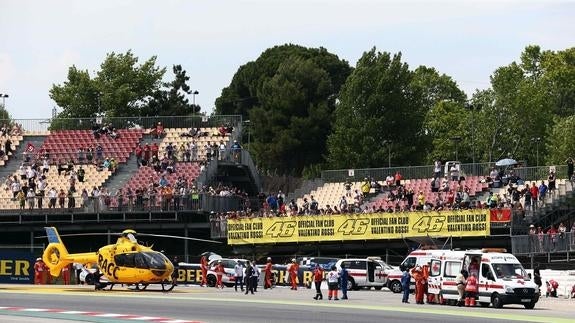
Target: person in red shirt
x: 552, y: 232
x: 147, y: 156
x: 534, y: 194
x: 471, y: 290
x: 293, y: 271
x: 39, y: 274
x: 219, y: 274
x: 154, y: 150
x: 398, y: 178
x: 317, y: 279
x: 417, y: 274
x: 66, y: 274
x: 139, y: 154
x: 159, y: 130
x: 268, y: 274
x: 204, y: 268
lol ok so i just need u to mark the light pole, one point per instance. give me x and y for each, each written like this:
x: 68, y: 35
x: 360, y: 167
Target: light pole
x: 4, y: 96
x: 456, y: 140
x: 537, y: 141
x: 194, y: 97
x: 388, y: 143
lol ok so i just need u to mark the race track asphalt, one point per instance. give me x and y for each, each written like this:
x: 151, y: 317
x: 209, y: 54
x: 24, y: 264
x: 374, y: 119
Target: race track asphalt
x: 193, y: 303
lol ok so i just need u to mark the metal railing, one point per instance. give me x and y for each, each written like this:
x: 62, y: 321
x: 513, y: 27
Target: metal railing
x: 113, y: 208
x: 35, y: 126
x: 413, y: 172
x: 533, y: 244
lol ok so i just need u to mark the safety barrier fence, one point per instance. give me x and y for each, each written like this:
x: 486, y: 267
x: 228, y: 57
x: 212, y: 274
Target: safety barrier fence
x: 40, y: 126
x: 113, y: 208
x: 543, y: 244
x: 413, y: 172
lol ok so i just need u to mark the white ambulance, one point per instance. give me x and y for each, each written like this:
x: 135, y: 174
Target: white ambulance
x: 417, y: 257
x: 500, y: 276
x: 365, y: 272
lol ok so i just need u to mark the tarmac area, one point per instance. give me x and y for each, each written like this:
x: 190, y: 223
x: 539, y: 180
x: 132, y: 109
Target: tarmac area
x: 53, y: 304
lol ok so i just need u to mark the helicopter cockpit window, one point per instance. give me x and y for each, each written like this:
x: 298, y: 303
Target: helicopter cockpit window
x: 140, y: 261
x: 154, y: 260
x: 125, y: 260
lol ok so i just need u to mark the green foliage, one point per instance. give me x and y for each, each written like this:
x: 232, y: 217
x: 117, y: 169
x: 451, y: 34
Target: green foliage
x: 449, y: 127
x: 288, y: 94
x: 560, y: 141
x: 172, y: 101
x: 381, y: 102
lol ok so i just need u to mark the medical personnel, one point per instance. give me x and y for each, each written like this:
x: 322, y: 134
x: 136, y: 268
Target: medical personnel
x: 293, y: 271
x: 332, y: 283
x: 268, y: 274
x: 317, y: 279
x: 405, y: 281
x: 471, y: 290
x: 204, y: 268
x: 417, y: 274
x: 219, y: 274
x: 344, y: 277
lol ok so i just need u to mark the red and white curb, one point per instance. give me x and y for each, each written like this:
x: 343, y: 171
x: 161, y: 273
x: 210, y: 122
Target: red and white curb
x: 138, y: 318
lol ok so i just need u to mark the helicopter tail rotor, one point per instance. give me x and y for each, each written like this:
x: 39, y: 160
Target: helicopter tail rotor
x: 55, y: 255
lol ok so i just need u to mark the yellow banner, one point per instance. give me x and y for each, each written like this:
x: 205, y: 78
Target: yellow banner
x: 307, y: 228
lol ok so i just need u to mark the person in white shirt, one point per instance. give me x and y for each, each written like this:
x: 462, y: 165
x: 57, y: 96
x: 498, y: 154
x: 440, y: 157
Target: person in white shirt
x: 239, y: 275
x: 256, y: 276
x: 333, y: 283
x: 52, y: 196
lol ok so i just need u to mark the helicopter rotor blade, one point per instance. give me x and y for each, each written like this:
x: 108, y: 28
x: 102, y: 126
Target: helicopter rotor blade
x: 84, y: 234
x: 176, y: 237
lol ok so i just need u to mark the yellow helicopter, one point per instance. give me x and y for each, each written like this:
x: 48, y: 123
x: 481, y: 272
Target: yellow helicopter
x: 125, y: 262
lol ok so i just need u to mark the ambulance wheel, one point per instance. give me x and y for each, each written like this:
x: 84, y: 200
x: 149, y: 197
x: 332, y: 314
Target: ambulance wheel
x: 497, y: 301
x: 484, y: 304
x: 529, y: 306
x: 211, y: 279
x: 378, y: 287
x: 351, y: 284
x: 395, y: 286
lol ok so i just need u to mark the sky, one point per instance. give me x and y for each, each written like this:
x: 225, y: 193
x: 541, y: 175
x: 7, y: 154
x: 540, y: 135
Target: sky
x: 466, y: 40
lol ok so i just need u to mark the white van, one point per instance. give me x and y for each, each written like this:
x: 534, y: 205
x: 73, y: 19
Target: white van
x: 365, y: 272
x: 501, y: 278
x: 417, y: 257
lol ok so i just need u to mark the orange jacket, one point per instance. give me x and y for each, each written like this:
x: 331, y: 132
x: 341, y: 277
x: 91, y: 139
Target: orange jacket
x: 471, y: 285
x: 268, y: 268
x: 294, y: 268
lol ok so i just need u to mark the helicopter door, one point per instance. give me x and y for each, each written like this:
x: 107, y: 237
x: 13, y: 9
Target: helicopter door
x: 434, y: 279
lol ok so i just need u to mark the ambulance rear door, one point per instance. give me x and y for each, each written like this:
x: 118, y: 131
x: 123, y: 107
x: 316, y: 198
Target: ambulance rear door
x: 435, y: 277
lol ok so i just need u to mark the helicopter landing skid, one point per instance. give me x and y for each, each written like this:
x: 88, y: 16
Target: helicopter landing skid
x: 169, y: 288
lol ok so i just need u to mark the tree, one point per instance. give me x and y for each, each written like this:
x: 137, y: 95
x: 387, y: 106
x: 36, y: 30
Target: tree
x: 560, y: 141
x: 121, y: 88
x: 288, y: 94
x: 172, y: 100
x: 377, y: 103
x: 448, y: 128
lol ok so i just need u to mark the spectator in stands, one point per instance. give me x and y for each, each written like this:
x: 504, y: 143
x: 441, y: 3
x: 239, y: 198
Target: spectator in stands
x: 61, y: 198
x: 365, y: 187
x: 542, y: 193
x: 562, y: 235
x: 21, y: 198
x: 166, y: 195
x: 72, y: 182
x: 170, y: 168
x: 147, y: 155
x: 163, y: 181
x: 81, y: 155
x: 15, y: 187
x: 152, y: 193
x: 139, y: 152
x: 85, y: 198
x: 8, y: 147
x: 389, y: 180
x: 130, y: 195
x: 89, y: 154
x: 95, y: 199
x: 96, y: 130
x: 527, y: 197
x: 181, y: 152
x: 71, y: 200
x: 158, y: 130
x: 169, y: 150
x: 106, y: 164
x: 569, y: 162
x: 347, y: 185
x: 99, y: 153
x: 52, y: 196
x: 420, y: 200
x: 454, y: 172
x: 534, y: 195
x: 154, y: 149
x: 552, y: 233
x: 409, y: 197
x: 437, y: 169
x: 293, y: 207
x: 31, y: 198
x: 342, y: 204
x: 80, y: 175
x: 313, y: 206
x: 551, y: 182
x: 398, y: 178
